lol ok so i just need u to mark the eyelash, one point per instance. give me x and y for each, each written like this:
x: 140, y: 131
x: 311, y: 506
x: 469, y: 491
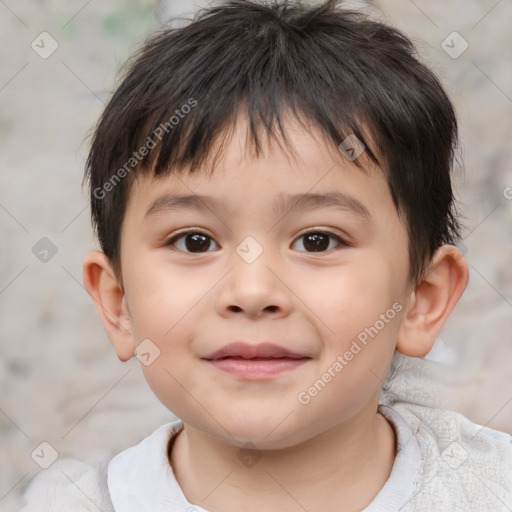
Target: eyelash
x: 341, y: 241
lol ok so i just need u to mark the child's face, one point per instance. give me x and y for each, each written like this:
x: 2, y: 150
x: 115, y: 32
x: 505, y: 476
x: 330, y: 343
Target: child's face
x: 201, y: 294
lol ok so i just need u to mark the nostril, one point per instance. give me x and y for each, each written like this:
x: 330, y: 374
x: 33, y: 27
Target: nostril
x: 268, y: 308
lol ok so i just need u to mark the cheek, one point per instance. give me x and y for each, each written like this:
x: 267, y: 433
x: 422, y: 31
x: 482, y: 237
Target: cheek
x: 359, y: 321
x: 353, y: 298
x: 162, y: 300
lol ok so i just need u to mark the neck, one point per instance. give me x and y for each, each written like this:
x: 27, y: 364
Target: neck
x: 341, y: 469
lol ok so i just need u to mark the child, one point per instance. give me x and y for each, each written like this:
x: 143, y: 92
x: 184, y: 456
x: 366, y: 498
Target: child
x: 307, y: 152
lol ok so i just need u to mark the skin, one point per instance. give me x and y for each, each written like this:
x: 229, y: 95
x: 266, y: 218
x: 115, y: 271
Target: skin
x: 335, y: 452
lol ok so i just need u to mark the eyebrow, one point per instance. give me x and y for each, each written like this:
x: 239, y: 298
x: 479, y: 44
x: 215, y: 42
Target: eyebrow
x: 284, y: 204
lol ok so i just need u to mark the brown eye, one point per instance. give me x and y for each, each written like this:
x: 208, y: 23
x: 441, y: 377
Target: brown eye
x: 191, y: 241
x: 319, y: 241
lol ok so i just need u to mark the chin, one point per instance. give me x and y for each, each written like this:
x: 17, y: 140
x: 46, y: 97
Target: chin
x: 271, y: 433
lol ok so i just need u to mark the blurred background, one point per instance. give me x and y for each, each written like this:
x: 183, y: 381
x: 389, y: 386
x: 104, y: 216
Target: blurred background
x: 60, y: 380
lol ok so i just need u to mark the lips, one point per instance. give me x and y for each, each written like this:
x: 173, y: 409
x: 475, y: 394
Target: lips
x: 262, y: 351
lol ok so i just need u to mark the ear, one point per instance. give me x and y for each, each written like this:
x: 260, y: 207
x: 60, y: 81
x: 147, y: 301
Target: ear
x: 108, y: 296
x: 432, y: 301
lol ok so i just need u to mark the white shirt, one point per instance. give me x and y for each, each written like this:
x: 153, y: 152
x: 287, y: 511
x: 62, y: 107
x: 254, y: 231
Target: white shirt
x: 429, y: 473
x: 140, y: 478
x: 444, y: 462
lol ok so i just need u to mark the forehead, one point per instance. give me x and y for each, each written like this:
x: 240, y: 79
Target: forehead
x: 310, y: 173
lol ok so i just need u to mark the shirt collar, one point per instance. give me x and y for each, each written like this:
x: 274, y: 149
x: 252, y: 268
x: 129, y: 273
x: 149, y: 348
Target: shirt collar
x: 140, y: 479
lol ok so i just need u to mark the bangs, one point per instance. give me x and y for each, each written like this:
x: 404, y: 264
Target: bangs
x: 183, y: 114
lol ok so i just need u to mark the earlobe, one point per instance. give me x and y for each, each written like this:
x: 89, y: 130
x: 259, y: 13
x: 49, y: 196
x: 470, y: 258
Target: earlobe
x: 432, y: 301
x: 110, y: 301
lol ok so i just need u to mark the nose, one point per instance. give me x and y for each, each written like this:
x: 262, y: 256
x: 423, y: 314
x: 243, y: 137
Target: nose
x: 255, y: 289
